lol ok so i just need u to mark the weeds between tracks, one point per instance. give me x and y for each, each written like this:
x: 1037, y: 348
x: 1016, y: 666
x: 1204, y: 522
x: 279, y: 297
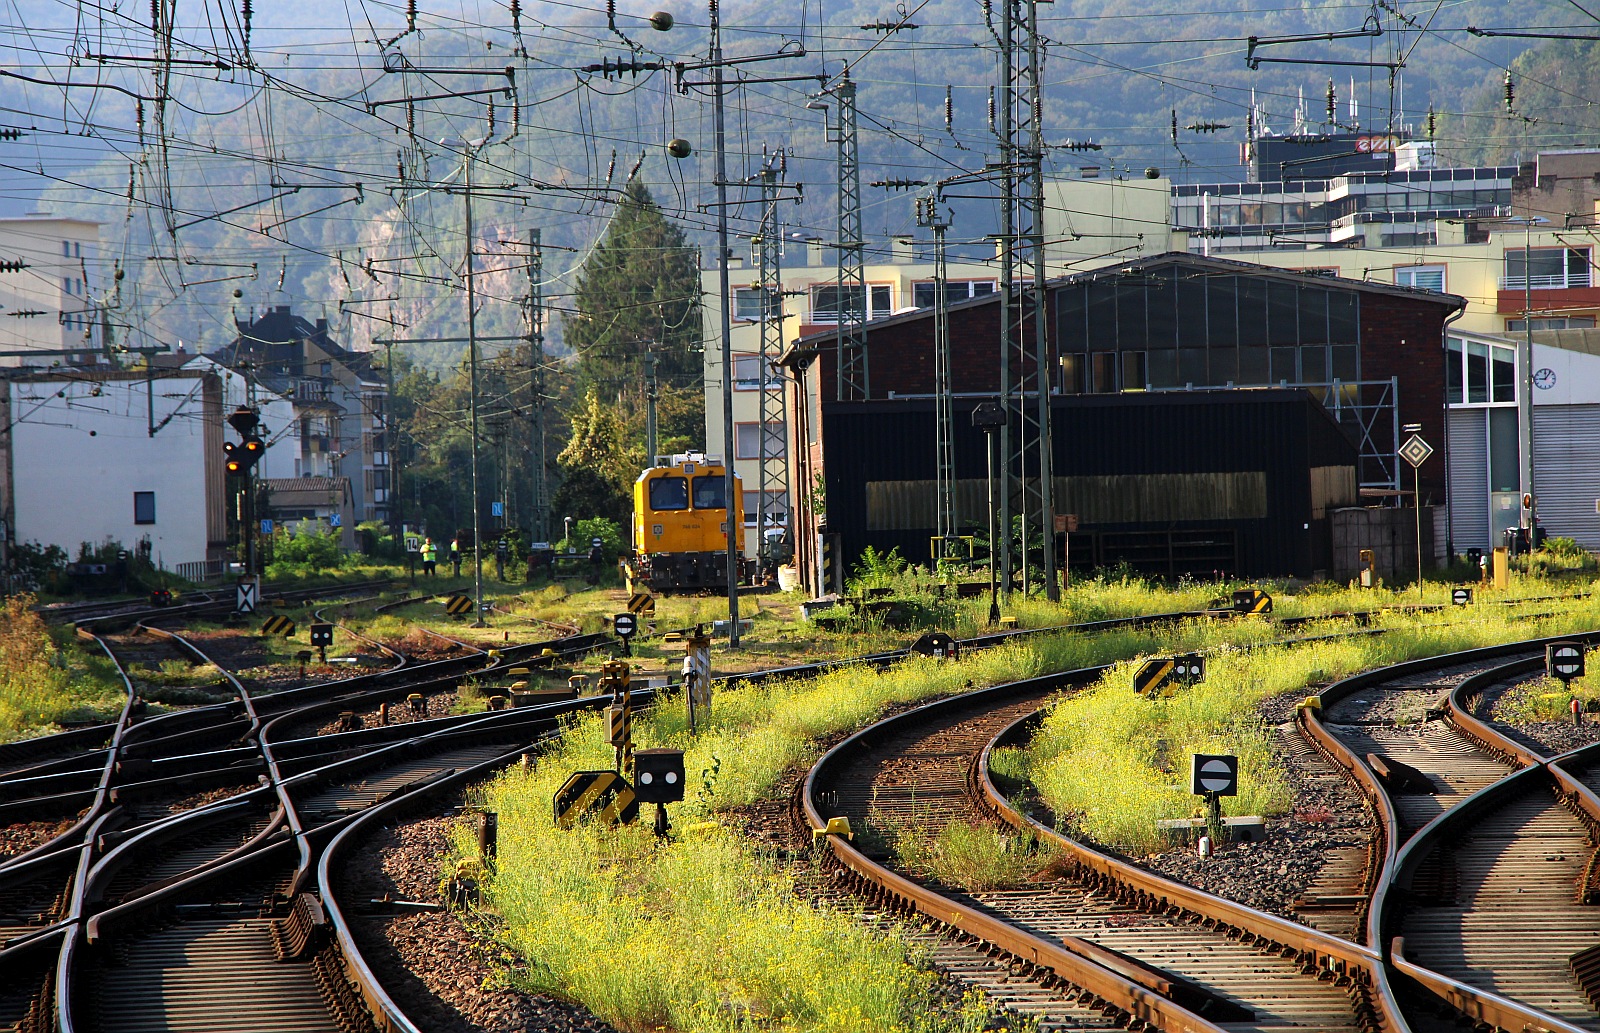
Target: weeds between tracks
x: 1112, y: 763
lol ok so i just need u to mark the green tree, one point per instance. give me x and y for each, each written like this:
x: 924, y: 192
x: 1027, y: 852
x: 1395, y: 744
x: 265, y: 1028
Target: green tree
x: 600, y: 463
x: 638, y: 291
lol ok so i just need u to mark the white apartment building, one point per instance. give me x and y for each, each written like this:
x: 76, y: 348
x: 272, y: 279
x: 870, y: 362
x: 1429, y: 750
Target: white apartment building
x: 49, y: 277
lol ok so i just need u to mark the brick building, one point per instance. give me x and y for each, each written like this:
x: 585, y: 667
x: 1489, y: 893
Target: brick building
x: 1371, y: 354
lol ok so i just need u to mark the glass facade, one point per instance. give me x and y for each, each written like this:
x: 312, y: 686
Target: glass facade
x: 1172, y: 327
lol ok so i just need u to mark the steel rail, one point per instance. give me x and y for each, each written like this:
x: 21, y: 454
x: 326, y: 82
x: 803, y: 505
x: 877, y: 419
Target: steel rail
x: 1124, y: 987
x: 1317, y: 951
x: 1309, y: 717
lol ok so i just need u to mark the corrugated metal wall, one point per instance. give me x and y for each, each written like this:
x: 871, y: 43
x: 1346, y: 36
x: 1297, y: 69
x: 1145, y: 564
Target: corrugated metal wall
x: 1117, y: 499
x: 1469, y: 479
x: 1566, y: 471
x: 1237, y: 463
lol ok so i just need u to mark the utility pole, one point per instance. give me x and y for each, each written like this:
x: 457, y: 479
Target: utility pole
x: 472, y: 375
x: 728, y: 480
x: 929, y: 216
x: 715, y: 63
x: 539, y: 513
x: 853, y: 382
x: 651, y: 394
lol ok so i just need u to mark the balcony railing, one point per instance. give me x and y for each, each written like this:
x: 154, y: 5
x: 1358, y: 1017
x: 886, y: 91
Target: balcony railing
x: 1545, y: 281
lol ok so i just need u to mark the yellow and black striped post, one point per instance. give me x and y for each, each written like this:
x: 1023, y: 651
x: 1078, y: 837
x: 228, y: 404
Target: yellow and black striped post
x: 614, y: 675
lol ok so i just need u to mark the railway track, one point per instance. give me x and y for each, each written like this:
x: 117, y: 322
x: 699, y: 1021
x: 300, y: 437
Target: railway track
x: 1152, y: 950
x: 1189, y: 960
x: 151, y: 902
x: 179, y: 901
x: 1481, y: 909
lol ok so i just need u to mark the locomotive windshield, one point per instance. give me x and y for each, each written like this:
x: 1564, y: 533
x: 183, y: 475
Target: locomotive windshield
x: 708, y: 493
x: 672, y: 492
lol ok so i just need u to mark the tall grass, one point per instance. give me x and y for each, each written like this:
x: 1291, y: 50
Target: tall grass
x: 41, y: 682
x: 712, y: 934
x: 703, y: 931
x: 1112, y: 763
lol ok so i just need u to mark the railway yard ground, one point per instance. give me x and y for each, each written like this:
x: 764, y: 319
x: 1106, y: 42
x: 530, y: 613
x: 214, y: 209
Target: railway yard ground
x: 997, y: 860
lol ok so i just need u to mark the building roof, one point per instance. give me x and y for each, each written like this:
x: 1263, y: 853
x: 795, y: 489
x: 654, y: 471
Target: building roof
x: 275, y: 344
x: 1196, y: 264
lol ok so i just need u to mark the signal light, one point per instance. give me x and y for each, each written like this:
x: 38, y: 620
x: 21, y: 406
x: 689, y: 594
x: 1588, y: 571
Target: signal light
x: 241, y: 456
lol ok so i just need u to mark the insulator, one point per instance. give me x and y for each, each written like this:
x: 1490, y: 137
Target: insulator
x: 611, y: 169
x: 516, y: 117
x: 949, y: 112
x: 411, y: 120
x: 411, y: 15
x: 491, y: 116
x: 783, y: 163
x: 1332, y: 102
x: 1038, y: 109
x: 247, y: 14
x: 1511, y: 91
x: 988, y: 12
x: 1250, y: 125
x: 516, y: 17
x: 991, y: 109
x: 138, y: 116
x: 155, y: 16
x: 400, y: 165
x: 1433, y: 122
x: 130, y: 180
x: 1174, y: 127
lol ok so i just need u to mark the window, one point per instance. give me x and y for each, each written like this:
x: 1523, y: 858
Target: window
x: 1479, y: 373
x: 1103, y: 369
x: 668, y: 493
x: 1423, y: 277
x: 825, y: 302
x: 924, y: 294
x: 1551, y: 323
x: 709, y: 492
x: 747, y: 373
x: 144, y: 507
x: 1546, y: 268
x: 748, y: 444
x: 747, y: 304
x: 777, y: 508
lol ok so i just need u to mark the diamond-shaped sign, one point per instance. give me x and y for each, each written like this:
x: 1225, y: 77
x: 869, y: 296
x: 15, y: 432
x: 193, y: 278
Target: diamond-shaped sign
x: 1416, y: 451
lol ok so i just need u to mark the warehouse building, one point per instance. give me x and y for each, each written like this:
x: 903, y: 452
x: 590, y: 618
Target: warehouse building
x: 1216, y: 387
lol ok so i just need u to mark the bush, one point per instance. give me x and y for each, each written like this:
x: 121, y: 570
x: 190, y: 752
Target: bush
x: 584, y: 531
x: 304, y: 551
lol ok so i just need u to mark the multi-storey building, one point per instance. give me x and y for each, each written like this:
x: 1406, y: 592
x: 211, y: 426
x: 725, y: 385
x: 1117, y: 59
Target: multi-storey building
x: 47, y: 287
x: 340, y: 411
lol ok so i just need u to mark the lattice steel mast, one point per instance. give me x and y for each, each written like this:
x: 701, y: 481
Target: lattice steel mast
x: 853, y: 381
x: 773, y: 478
x: 1026, y: 385
x: 929, y: 216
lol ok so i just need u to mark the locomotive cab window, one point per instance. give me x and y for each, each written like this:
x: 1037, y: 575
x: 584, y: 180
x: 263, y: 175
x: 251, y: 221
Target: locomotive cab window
x: 708, y: 492
x: 670, y: 492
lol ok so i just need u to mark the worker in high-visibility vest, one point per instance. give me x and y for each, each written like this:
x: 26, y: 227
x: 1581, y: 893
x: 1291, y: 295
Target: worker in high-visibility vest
x: 430, y: 557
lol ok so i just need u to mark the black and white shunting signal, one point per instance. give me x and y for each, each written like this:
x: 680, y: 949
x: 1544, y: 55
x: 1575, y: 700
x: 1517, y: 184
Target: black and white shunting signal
x: 1214, y: 774
x: 1564, y: 660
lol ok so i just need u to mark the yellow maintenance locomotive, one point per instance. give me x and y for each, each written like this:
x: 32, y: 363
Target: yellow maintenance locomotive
x: 680, y: 525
